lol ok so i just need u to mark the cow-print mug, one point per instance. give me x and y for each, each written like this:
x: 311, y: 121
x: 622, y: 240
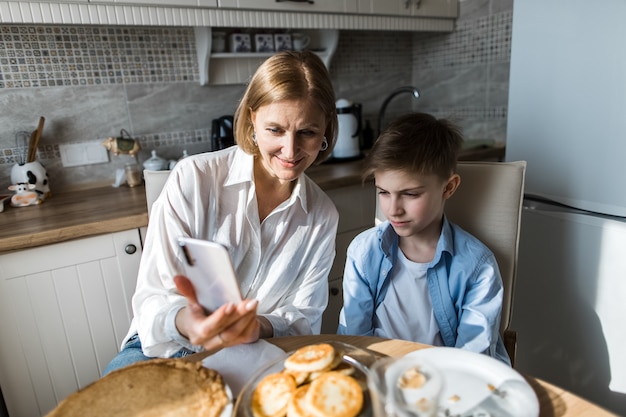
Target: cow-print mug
x: 32, y: 173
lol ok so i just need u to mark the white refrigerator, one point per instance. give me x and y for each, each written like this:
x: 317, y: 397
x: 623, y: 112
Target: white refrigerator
x: 567, y: 118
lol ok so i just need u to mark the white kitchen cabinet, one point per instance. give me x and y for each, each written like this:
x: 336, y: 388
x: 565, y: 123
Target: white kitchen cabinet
x: 64, y: 310
x: 198, y: 3
x: 142, y: 235
x: 325, y: 6
x: 357, y: 208
x: 238, y: 67
x: 415, y: 8
x: 430, y: 16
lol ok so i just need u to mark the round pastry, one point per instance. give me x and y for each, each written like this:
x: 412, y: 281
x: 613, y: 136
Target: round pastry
x: 296, y: 406
x: 158, y: 387
x: 311, y: 358
x: 272, y: 395
x: 334, y: 394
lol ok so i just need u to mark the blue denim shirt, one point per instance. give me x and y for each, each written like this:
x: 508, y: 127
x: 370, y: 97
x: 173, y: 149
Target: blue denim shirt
x: 464, y: 284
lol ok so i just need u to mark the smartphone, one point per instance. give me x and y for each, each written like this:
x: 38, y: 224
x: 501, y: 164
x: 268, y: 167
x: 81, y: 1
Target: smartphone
x: 210, y: 269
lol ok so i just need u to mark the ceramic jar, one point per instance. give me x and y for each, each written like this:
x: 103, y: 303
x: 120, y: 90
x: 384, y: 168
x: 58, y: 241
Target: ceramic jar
x: 32, y: 173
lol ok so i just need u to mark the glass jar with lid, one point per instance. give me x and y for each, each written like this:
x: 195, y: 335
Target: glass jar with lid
x: 155, y: 163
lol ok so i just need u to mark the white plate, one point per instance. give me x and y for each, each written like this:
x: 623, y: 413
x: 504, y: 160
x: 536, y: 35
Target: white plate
x: 469, y: 376
x: 228, y: 410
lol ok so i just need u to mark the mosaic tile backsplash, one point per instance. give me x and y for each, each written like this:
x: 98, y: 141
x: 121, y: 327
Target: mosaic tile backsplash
x: 53, y: 56
x: 478, y: 41
x: 91, y: 81
x: 472, y: 65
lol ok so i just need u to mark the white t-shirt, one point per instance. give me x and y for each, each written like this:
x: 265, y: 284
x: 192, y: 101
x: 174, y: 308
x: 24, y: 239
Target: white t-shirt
x: 406, y: 312
x: 282, y: 262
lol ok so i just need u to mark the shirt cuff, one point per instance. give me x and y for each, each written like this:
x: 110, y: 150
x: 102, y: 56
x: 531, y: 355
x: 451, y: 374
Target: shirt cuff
x: 172, y: 332
x: 279, y: 325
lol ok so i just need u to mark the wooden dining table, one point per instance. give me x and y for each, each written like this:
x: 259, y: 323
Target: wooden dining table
x: 553, y: 401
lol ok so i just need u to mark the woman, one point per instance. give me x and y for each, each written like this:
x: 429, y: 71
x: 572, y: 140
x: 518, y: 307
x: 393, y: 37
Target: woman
x: 255, y: 199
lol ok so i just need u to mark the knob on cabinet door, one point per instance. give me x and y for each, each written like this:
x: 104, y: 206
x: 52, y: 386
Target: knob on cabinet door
x: 130, y: 249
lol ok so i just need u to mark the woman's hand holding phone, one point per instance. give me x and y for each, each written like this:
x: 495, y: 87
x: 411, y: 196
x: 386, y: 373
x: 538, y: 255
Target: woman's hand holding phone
x: 217, y: 316
x: 229, y: 325
x: 210, y: 269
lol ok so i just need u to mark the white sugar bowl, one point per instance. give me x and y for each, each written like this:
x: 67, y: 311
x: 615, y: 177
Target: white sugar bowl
x: 155, y: 163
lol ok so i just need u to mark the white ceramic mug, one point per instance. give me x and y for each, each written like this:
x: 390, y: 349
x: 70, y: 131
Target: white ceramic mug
x: 300, y: 41
x: 264, y: 42
x: 282, y: 42
x: 218, y: 42
x: 240, y: 42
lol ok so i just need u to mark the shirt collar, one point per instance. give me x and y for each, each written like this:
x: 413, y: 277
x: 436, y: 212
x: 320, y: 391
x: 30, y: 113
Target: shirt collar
x: 242, y: 171
x: 388, y: 237
x: 388, y: 240
x: 299, y: 192
x: 446, y: 241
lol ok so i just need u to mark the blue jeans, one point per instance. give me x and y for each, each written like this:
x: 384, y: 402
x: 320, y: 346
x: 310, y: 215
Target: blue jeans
x: 132, y: 353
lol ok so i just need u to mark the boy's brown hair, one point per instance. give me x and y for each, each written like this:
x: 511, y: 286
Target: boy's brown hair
x: 416, y: 143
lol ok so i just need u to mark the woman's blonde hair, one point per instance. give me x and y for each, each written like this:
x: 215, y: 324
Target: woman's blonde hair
x: 287, y: 75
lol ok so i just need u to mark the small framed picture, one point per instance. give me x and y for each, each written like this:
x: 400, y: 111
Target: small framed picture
x: 282, y: 42
x: 264, y: 42
x: 240, y: 42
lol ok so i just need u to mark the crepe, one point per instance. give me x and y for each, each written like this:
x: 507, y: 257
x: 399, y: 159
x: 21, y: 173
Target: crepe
x: 158, y: 387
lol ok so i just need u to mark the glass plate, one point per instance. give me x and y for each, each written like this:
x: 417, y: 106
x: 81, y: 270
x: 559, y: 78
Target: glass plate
x: 359, y: 359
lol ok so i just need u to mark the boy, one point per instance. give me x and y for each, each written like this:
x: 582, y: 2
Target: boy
x: 417, y: 276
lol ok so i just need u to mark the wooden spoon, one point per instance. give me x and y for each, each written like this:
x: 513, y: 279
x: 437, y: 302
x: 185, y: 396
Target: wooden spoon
x: 34, y: 141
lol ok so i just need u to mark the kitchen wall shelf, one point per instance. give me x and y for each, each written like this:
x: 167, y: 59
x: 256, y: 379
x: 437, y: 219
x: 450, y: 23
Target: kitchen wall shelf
x: 237, y: 67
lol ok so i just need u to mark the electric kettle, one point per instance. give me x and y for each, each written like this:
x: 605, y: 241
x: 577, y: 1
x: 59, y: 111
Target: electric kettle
x: 349, y: 117
x: 222, y: 133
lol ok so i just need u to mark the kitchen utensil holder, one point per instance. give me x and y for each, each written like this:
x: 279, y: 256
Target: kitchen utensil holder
x: 32, y: 173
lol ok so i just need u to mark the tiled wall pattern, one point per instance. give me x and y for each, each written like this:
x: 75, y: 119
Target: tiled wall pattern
x: 483, y: 40
x: 53, y: 56
x: 368, y: 65
x: 50, y: 152
x: 370, y: 54
x: 466, y: 73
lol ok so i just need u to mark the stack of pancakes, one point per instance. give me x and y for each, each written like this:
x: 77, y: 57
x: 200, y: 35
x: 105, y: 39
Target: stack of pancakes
x: 315, y: 383
x: 158, y: 387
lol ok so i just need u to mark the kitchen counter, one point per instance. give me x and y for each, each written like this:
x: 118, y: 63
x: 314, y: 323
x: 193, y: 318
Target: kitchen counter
x: 76, y: 214
x: 71, y: 215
